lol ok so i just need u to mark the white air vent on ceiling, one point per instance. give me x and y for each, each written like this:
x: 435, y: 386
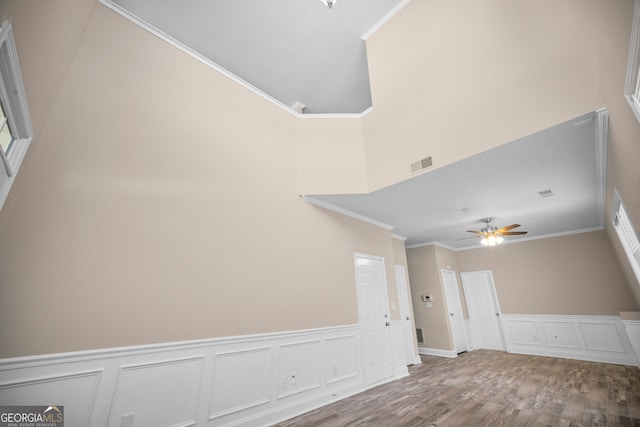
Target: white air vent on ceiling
x: 421, y: 164
x: 545, y: 193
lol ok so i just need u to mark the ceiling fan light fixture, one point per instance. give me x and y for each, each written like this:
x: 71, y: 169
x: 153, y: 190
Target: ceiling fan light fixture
x: 491, y: 240
x: 329, y: 3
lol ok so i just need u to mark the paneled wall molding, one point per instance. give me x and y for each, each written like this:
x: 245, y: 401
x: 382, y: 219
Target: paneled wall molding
x: 594, y: 338
x: 633, y: 332
x: 253, y: 380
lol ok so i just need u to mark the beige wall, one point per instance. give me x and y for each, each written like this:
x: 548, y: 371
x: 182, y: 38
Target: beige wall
x: 162, y: 205
x: 425, y: 279
x: 332, y: 158
x: 455, y: 78
x: 601, y: 32
x: 159, y: 200
x: 576, y: 274
x: 62, y: 24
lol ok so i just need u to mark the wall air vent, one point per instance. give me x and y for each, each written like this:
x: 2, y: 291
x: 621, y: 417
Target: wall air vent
x: 419, y: 336
x: 545, y: 193
x: 421, y: 164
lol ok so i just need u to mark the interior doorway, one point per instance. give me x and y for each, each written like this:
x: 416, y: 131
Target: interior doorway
x: 483, y: 309
x: 373, y: 312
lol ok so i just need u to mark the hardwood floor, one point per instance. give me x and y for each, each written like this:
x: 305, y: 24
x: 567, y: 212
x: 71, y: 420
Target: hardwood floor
x: 491, y: 388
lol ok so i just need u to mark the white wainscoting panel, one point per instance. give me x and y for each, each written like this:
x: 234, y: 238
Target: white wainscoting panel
x: 633, y: 332
x: 249, y: 371
x: 398, y: 353
x: 73, y: 390
x: 595, y: 338
x: 342, y: 356
x: 164, y: 392
x: 254, y: 380
x: 299, y: 369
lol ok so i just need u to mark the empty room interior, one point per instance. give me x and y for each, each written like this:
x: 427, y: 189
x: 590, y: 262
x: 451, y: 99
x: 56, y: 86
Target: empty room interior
x: 231, y: 213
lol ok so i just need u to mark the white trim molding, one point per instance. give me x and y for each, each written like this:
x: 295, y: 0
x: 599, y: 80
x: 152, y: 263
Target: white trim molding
x: 632, y: 80
x: 593, y: 338
x: 15, y: 104
x: 208, y: 62
x: 437, y: 352
x: 346, y: 212
x: 241, y: 381
x: 633, y: 332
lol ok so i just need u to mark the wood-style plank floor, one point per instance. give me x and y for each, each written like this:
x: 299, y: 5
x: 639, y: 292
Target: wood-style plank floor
x: 491, y: 388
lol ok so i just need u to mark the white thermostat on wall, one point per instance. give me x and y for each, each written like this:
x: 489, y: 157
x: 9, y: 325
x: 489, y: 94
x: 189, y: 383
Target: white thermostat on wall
x: 427, y: 298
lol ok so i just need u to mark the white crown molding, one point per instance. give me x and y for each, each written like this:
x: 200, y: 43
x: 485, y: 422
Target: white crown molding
x: 346, y: 212
x: 206, y: 61
x: 508, y: 242
x: 398, y: 237
x: 371, y: 31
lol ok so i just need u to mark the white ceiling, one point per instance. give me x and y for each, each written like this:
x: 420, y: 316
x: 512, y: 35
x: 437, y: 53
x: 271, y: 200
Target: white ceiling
x: 301, y: 51
x: 291, y: 50
x: 441, y: 204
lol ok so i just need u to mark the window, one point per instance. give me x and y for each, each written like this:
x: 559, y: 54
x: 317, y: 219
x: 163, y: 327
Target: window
x: 15, y: 123
x: 627, y: 234
x: 632, y: 82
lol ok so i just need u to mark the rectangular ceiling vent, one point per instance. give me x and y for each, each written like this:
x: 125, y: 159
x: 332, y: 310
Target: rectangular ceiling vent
x: 545, y: 193
x: 421, y: 164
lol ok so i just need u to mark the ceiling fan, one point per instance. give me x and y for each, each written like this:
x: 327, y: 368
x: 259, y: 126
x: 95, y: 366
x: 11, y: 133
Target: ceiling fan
x: 491, y: 235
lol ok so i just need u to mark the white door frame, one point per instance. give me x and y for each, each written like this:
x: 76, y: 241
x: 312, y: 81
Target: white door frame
x: 378, y: 371
x: 454, y: 309
x: 494, y: 297
x: 404, y: 300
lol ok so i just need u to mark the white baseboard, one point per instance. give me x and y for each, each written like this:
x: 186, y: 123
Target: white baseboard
x: 240, y: 381
x: 593, y: 338
x: 437, y: 352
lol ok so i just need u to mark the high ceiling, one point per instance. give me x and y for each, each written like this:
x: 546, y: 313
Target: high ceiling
x: 294, y: 51
x: 300, y: 51
x: 504, y: 183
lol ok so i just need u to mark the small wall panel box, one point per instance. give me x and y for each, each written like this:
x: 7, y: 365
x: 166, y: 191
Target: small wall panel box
x: 427, y: 298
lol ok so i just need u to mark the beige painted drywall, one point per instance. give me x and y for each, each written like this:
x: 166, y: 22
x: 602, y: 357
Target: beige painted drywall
x: 425, y: 279
x: 331, y: 158
x: 447, y: 260
x: 575, y: 274
x: 63, y: 22
x: 452, y: 79
x: 601, y: 33
x: 150, y: 215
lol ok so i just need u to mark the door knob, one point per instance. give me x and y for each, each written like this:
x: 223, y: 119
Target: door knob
x: 408, y: 318
x: 387, y: 323
x: 450, y: 314
x: 498, y: 314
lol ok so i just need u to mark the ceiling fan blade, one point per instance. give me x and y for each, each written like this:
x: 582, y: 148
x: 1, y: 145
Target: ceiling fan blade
x: 507, y: 228
x: 467, y: 238
x: 477, y: 232
x: 513, y: 233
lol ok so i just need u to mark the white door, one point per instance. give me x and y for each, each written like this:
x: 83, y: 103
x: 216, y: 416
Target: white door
x: 405, y: 313
x: 373, y: 310
x: 483, y: 308
x: 454, y: 309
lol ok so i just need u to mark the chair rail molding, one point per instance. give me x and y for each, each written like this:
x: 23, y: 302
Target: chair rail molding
x: 248, y: 380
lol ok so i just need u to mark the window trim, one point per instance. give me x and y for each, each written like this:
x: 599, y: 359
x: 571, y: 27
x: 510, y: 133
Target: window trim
x: 632, y: 81
x: 631, y: 248
x: 15, y: 103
